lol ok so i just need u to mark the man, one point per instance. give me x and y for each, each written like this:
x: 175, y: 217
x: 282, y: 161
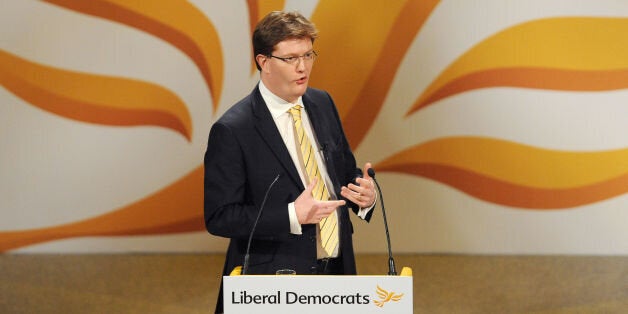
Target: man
x: 284, y: 130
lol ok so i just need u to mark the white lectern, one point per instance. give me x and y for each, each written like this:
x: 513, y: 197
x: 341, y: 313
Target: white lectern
x: 304, y: 294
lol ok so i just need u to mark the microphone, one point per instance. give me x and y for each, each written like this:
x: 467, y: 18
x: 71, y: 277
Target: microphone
x: 245, y: 265
x: 391, y: 261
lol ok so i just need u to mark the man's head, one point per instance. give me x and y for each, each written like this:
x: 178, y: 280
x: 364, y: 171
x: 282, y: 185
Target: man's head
x: 282, y: 44
x: 278, y: 26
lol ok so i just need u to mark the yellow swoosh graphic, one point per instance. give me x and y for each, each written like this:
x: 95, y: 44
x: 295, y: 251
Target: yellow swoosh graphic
x: 178, y: 22
x: 175, y: 209
x: 571, y: 54
x: 93, y: 98
x: 359, y: 87
x: 516, y: 175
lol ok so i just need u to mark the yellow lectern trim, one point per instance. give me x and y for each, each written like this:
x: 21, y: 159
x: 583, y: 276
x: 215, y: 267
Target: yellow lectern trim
x: 406, y: 271
x: 237, y: 271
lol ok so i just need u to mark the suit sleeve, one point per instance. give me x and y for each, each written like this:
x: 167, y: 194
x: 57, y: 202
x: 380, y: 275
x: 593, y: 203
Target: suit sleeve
x: 230, y: 208
x: 224, y: 184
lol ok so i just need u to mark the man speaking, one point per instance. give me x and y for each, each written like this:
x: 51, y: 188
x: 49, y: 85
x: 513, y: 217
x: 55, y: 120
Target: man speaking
x: 281, y: 150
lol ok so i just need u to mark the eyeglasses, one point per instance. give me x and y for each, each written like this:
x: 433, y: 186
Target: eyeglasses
x: 307, y: 57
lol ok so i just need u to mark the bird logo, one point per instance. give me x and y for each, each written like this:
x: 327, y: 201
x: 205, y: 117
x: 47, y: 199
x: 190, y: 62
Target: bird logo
x: 385, y: 296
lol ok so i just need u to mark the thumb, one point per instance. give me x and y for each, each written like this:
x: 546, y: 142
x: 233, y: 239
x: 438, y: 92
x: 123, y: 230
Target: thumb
x: 310, y: 187
x: 367, y: 166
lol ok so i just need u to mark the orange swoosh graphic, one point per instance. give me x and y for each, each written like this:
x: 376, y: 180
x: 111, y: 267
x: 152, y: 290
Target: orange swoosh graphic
x: 516, y: 175
x: 570, y: 54
x: 178, y: 22
x: 360, y: 87
x: 174, y: 209
x: 93, y: 98
x: 257, y: 10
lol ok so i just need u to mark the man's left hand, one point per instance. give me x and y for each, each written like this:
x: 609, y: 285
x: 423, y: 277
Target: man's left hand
x: 362, y: 194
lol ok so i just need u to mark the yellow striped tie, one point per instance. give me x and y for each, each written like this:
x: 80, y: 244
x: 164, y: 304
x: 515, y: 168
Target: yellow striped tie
x: 328, y: 226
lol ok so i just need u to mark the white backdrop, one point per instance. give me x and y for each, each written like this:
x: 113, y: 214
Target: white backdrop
x: 58, y: 171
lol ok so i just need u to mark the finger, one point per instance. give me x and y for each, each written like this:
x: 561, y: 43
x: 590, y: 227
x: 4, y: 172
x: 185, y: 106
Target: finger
x: 348, y: 192
x: 369, y: 184
x: 363, y: 185
x: 363, y: 197
x: 365, y: 181
x: 327, y: 207
x: 360, y: 192
x: 351, y: 188
x: 367, y: 187
x: 334, y: 204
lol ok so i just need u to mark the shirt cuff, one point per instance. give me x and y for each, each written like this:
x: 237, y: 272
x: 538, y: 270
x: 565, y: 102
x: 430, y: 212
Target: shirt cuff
x: 364, y: 211
x: 295, y: 226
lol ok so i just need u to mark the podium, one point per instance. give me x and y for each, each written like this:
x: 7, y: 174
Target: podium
x: 318, y: 294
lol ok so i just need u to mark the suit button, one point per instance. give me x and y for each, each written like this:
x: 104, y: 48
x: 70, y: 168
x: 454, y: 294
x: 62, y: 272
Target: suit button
x: 313, y: 239
x: 313, y: 270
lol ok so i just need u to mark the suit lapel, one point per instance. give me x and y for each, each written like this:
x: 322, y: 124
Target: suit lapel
x: 267, y: 129
x: 318, y: 122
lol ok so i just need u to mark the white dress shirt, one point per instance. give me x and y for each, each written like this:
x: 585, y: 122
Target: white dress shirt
x: 279, y: 110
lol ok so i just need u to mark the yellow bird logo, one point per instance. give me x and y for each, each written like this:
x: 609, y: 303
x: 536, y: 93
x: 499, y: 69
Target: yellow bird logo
x: 385, y: 296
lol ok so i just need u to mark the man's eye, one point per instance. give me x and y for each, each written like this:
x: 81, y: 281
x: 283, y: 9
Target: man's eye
x: 290, y: 59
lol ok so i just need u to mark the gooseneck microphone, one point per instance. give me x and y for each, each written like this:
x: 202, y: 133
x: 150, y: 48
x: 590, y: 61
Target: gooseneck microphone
x: 391, y: 262
x: 245, y: 265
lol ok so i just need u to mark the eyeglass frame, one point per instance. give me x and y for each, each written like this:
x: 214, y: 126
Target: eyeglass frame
x: 294, y: 59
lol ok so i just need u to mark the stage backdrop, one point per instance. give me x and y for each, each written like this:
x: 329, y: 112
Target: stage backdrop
x: 495, y: 126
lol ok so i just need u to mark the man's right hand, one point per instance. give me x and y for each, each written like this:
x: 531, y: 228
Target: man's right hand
x: 310, y: 210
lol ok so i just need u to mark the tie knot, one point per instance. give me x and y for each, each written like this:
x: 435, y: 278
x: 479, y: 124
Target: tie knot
x: 295, y: 112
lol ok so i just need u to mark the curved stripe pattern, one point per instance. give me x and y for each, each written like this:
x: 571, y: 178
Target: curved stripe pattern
x: 179, y: 23
x: 376, y: 50
x: 93, y: 98
x: 516, y: 175
x: 569, y: 54
x: 173, y: 209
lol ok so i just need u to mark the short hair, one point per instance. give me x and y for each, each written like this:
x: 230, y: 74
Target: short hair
x: 278, y: 26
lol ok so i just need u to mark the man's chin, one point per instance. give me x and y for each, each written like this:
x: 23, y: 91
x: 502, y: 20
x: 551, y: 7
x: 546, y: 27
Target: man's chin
x: 301, y: 89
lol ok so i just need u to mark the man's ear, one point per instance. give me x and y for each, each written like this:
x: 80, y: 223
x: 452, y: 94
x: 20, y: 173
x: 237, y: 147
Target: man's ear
x: 262, y: 61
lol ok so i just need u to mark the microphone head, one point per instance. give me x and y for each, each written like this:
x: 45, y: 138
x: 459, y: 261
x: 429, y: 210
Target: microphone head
x: 371, y: 172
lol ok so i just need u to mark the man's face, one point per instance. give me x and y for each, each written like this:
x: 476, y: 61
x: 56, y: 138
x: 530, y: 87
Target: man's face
x: 288, y: 81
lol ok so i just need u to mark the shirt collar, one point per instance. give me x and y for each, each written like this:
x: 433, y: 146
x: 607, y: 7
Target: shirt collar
x: 275, y: 104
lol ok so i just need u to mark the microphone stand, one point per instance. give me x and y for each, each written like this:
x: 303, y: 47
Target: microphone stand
x: 245, y: 265
x: 391, y: 262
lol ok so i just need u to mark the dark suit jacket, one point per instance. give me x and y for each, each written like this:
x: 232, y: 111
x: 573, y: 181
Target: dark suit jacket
x: 245, y: 153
